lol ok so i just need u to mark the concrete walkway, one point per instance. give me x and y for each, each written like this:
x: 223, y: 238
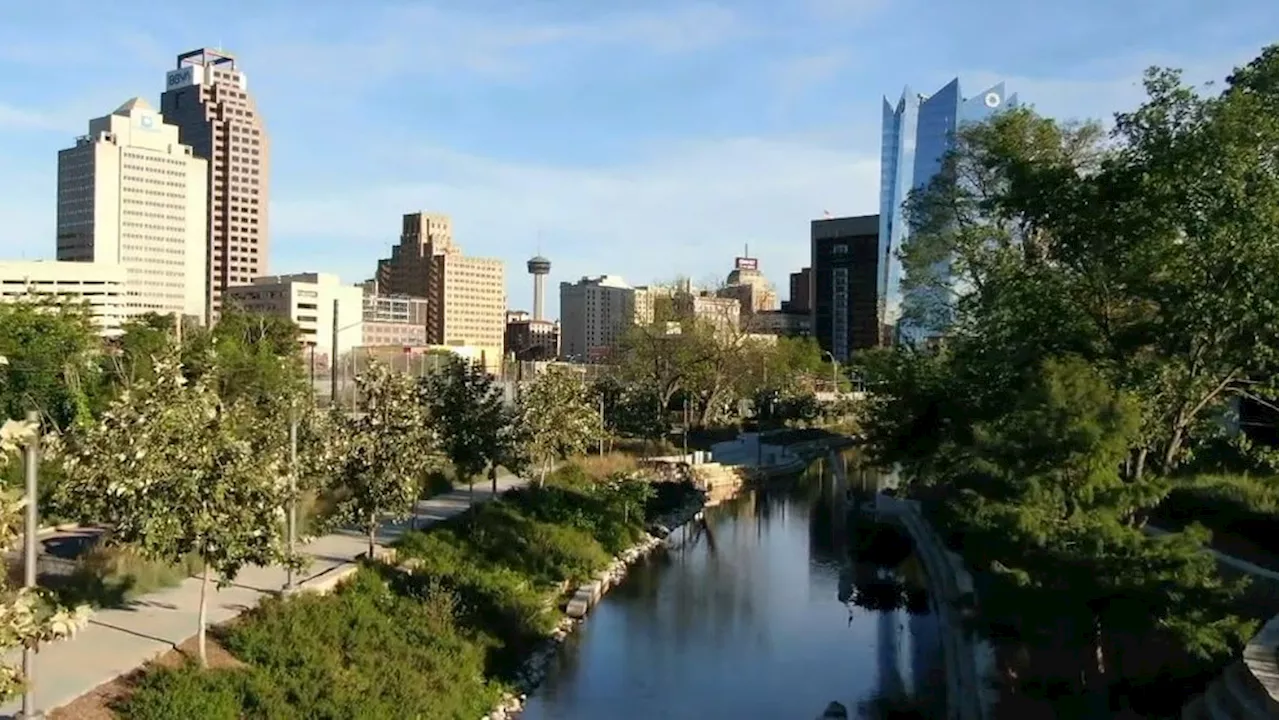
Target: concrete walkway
x: 117, y: 641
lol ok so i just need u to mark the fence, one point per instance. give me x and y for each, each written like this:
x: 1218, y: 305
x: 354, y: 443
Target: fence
x: 325, y: 378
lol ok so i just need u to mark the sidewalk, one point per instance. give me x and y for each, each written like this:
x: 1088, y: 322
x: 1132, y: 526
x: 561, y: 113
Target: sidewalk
x: 117, y: 641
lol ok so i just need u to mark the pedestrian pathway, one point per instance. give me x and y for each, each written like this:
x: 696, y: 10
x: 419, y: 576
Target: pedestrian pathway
x: 117, y: 641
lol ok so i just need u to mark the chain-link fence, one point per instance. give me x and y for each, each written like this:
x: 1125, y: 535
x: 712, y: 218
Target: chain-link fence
x: 339, y: 380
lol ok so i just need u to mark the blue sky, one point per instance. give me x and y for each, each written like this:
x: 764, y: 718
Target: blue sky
x: 643, y: 139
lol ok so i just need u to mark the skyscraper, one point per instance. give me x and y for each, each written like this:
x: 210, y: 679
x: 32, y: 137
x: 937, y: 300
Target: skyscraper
x: 917, y: 134
x: 843, y: 266
x: 207, y: 98
x: 130, y: 194
x: 466, y: 296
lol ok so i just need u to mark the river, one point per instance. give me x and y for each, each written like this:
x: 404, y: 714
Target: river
x: 745, y: 618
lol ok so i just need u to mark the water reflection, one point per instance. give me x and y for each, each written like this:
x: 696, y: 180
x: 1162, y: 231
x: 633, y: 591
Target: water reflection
x: 762, y: 612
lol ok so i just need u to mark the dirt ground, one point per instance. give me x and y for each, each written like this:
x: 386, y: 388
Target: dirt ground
x: 96, y: 704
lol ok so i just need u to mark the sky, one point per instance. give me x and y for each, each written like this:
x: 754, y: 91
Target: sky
x: 642, y: 139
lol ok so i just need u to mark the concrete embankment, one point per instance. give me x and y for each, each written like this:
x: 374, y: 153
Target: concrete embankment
x: 969, y: 661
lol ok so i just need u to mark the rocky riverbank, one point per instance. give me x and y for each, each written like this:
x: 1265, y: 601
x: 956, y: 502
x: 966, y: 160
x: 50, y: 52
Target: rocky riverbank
x: 534, y: 669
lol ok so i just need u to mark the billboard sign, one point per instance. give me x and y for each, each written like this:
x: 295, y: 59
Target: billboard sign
x: 746, y: 263
x: 183, y: 77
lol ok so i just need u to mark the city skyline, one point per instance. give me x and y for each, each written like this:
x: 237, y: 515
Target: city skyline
x: 587, y: 171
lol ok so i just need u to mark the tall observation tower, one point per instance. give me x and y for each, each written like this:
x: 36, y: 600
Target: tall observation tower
x: 539, y: 268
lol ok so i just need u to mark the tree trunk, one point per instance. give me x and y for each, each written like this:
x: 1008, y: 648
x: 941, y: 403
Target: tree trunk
x: 542, y: 475
x: 1140, y: 464
x: 493, y: 482
x: 203, y: 617
x: 373, y: 533
x: 1171, y: 451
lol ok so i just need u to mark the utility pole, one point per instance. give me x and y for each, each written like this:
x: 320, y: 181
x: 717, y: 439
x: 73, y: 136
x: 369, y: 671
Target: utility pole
x: 177, y: 329
x: 355, y: 389
x: 601, y: 424
x: 685, y: 438
x: 333, y: 358
x: 293, y: 491
x: 32, y: 460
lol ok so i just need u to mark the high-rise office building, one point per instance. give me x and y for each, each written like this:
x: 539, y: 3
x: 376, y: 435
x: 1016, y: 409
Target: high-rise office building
x: 594, y: 312
x: 844, y: 254
x: 466, y: 296
x: 207, y: 97
x: 129, y: 193
x: 801, y: 288
x: 917, y: 134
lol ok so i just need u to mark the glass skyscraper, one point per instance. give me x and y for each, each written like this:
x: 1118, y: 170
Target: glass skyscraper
x: 917, y: 133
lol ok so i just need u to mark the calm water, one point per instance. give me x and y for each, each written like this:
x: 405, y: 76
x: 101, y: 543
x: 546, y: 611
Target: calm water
x: 747, y: 620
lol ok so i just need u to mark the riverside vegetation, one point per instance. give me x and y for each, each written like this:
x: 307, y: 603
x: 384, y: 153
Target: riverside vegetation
x: 1116, y: 297
x: 443, y: 642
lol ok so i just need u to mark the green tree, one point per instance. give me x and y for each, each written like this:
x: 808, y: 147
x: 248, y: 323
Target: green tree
x: 389, y: 451
x: 51, y: 349
x: 1150, y: 255
x: 557, y: 418
x: 466, y: 409
x: 173, y: 469
x: 630, y: 410
x: 143, y: 340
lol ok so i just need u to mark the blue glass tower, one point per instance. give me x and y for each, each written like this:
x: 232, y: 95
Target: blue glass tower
x: 917, y: 133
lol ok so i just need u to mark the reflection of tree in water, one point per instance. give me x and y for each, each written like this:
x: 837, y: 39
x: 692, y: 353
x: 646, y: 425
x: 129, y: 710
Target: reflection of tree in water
x: 711, y: 599
x: 897, y: 706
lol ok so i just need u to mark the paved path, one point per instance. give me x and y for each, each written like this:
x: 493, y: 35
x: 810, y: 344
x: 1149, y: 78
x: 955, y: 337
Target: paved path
x: 117, y: 641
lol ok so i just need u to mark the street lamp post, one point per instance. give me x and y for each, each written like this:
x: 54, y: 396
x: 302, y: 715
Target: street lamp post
x: 835, y: 368
x: 31, y: 458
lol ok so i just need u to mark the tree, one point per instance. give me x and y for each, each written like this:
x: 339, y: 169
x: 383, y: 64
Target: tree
x: 28, y: 616
x: 173, y: 470
x: 51, y: 349
x: 1150, y: 256
x: 466, y: 409
x: 389, y: 451
x: 630, y: 409
x: 144, y: 339
x: 1104, y: 298
x: 557, y: 417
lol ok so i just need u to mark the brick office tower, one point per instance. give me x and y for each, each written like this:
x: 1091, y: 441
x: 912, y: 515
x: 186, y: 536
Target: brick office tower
x: 207, y: 98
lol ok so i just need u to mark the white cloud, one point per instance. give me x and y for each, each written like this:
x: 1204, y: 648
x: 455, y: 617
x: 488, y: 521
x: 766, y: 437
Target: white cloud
x: 1107, y: 87
x: 431, y: 40
x: 689, y: 210
x: 14, y: 117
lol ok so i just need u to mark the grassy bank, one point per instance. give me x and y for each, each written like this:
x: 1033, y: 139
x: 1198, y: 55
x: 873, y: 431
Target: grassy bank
x: 442, y: 642
x: 1239, y: 509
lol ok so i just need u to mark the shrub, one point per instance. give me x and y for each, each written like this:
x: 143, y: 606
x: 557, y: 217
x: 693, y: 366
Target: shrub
x: 367, y: 651
x: 1239, y: 509
x: 601, y: 467
x: 110, y: 576
x: 189, y: 693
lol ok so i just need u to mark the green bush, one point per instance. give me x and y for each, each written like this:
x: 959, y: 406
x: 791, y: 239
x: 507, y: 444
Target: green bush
x: 190, y: 693
x: 420, y: 644
x: 1240, y: 510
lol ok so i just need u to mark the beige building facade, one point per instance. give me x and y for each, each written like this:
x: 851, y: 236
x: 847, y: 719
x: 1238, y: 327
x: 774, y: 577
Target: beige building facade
x: 393, y: 320
x: 130, y: 194
x: 308, y: 299
x: 207, y: 97
x: 749, y: 287
x: 101, y: 286
x: 465, y: 296
x: 594, y: 314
